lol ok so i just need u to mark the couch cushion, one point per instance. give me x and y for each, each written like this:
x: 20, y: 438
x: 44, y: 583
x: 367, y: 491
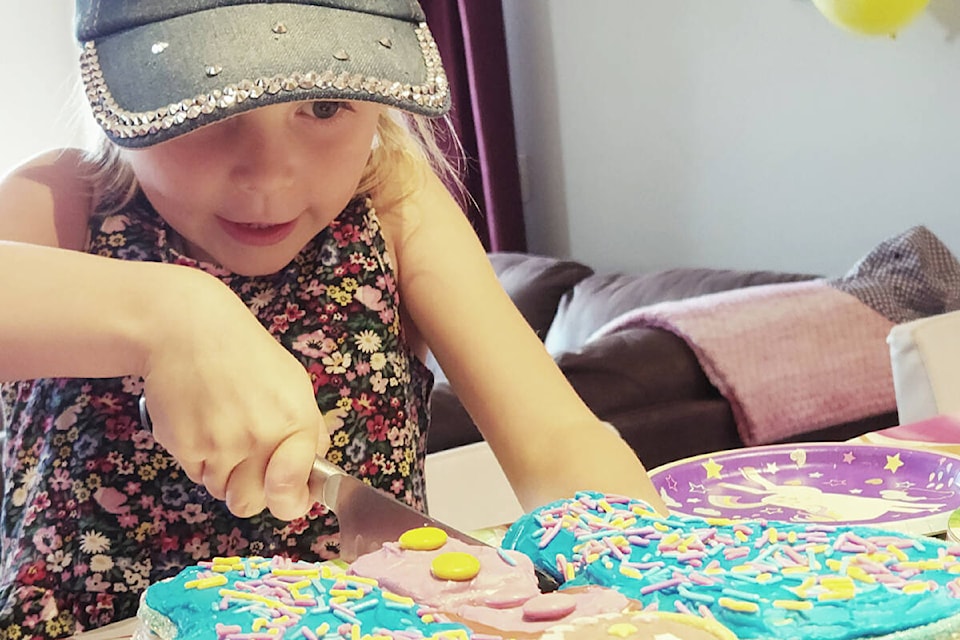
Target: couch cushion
x: 536, y: 283
x: 597, y: 299
x: 633, y: 369
x: 666, y: 432
x: 450, y: 424
x: 908, y: 276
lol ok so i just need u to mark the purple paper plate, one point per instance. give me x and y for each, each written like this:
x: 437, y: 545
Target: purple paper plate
x: 910, y: 490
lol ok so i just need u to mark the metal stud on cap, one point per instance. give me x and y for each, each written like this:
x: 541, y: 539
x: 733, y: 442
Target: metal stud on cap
x: 214, y: 70
x: 340, y: 54
x: 279, y: 28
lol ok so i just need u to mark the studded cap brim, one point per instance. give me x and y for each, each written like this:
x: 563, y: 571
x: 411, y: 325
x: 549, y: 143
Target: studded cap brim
x: 153, y: 83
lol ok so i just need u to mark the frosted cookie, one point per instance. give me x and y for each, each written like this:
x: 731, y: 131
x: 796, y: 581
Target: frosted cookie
x: 760, y: 579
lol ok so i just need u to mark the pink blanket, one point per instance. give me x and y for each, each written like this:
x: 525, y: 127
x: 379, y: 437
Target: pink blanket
x: 790, y: 358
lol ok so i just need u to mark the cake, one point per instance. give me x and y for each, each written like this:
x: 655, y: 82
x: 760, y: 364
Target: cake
x: 273, y: 598
x: 760, y: 579
x: 422, y: 586
x: 626, y: 573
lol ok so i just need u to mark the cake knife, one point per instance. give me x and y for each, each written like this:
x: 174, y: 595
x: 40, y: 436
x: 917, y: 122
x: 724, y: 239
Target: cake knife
x: 368, y: 517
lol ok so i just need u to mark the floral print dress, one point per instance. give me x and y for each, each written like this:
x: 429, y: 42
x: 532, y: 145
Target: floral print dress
x: 94, y: 510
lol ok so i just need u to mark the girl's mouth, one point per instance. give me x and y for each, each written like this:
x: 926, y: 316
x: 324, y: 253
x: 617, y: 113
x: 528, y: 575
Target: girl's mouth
x: 257, y: 234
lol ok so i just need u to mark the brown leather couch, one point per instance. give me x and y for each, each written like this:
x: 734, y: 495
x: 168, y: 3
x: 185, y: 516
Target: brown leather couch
x: 646, y: 382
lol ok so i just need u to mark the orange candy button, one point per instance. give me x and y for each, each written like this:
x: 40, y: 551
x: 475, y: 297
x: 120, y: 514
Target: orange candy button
x: 423, y: 539
x: 455, y: 565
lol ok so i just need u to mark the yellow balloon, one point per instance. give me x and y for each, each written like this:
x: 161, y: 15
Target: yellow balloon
x: 872, y: 17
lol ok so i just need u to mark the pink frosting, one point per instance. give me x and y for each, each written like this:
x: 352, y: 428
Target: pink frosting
x: 405, y: 572
x: 503, y: 596
x: 547, y: 610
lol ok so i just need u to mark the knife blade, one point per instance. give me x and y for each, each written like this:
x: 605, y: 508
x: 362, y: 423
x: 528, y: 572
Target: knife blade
x: 369, y: 517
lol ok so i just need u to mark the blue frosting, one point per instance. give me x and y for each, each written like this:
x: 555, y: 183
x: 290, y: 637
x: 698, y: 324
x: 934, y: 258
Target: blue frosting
x: 195, y: 605
x: 761, y: 579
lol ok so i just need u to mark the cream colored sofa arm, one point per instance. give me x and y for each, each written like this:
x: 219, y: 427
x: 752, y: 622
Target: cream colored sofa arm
x: 925, y: 358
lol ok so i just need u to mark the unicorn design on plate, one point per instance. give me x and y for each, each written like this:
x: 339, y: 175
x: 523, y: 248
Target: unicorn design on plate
x: 814, y: 504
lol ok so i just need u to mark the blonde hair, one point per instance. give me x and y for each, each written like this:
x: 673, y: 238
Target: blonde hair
x: 406, y: 149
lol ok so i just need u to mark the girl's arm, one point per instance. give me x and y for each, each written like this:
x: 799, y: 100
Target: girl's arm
x: 50, y: 326
x: 547, y: 440
x: 228, y: 401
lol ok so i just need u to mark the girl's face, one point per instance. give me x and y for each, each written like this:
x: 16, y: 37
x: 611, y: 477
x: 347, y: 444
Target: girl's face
x: 249, y: 192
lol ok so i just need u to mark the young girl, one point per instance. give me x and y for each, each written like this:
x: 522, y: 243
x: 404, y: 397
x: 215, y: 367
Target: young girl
x: 263, y: 248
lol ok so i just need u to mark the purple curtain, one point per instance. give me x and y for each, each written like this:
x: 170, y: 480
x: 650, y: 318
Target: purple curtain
x: 472, y: 43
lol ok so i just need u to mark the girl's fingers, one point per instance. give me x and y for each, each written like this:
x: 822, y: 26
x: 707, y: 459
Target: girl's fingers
x: 241, y: 457
x: 244, y: 493
x: 194, y: 470
x: 286, y: 476
x: 214, y: 477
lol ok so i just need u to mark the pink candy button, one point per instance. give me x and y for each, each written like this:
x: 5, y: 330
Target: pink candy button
x: 505, y: 600
x: 548, y: 606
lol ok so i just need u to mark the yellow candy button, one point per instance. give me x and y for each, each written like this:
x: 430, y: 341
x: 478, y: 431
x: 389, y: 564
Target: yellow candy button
x: 455, y: 565
x: 423, y: 539
x: 621, y: 629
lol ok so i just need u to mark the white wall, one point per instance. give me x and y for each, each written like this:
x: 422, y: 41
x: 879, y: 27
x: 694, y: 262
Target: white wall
x: 735, y: 133
x: 38, y: 59
x: 657, y: 133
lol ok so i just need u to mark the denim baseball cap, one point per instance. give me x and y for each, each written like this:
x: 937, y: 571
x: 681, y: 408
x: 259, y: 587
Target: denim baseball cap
x: 157, y: 69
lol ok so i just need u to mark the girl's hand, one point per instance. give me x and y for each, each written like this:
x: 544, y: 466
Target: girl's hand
x: 235, y: 409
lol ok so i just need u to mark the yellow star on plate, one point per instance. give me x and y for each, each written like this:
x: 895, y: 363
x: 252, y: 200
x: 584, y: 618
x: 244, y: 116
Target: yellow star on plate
x: 893, y: 463
x: 713, y: 469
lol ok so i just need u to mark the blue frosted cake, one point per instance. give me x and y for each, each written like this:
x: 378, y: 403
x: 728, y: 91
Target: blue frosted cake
x: 251, y: 598
x: 679, y: 577
x: 434, y: 591
x: 759, y: 579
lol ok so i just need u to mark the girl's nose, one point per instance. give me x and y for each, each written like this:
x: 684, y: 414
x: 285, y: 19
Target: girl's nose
x: 265, y: 156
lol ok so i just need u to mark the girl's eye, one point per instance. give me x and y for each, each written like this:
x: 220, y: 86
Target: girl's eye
x: 325, y: 109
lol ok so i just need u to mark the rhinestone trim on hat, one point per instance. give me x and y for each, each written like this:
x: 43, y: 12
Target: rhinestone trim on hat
x: 121, y: 123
